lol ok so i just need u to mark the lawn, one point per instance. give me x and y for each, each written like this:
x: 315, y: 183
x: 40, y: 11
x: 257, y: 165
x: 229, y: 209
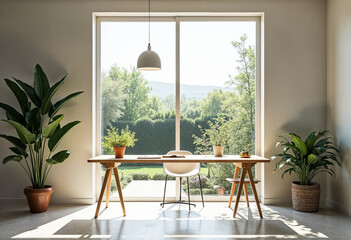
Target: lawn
x: 151, y: 170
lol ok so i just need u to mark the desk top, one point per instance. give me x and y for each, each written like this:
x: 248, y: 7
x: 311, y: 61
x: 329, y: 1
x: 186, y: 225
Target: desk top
x: 187, y: 159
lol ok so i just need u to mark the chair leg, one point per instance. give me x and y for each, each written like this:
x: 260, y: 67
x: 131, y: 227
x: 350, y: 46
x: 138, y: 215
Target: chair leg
x: 202, y: 196
x: 187, y: 179
x: 164, y: 192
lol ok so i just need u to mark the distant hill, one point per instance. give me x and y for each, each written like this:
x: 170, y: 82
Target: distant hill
x: 162, y: 89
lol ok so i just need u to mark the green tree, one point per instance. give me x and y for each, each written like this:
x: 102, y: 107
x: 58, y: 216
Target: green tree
x: 113, y: 98
x: 155, y: 108
x: 241, y: 103
x: 135, y: 92
x: 238, y: 107
x: 212, y: 104
x: 169, y: 102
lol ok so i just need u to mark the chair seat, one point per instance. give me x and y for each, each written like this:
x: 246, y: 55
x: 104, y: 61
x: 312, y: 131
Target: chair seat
x: 237, y: 180
x: 186, y: 174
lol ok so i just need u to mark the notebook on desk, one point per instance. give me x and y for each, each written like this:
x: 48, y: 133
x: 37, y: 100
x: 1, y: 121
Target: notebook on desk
x: 173, y: 156
x: 149, y: 157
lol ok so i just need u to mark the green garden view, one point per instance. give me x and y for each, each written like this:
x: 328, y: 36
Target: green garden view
x: 148, y: 108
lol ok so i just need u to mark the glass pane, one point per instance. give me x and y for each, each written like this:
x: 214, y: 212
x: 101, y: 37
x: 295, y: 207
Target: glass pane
x: 143, y: 101
x: 217, y: 74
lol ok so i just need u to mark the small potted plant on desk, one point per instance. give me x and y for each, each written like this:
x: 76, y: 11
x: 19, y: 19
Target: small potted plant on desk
x: 306, y: 158
x: 119, y: 142
x: 216, y: 135
x: 39, y: 130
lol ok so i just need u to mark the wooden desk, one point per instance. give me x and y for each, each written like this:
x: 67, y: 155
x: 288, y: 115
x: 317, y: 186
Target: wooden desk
x: 111, y: 164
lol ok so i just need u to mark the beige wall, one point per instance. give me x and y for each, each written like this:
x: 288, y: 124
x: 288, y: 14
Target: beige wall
x: 339, y: 98
x: 58, y: 35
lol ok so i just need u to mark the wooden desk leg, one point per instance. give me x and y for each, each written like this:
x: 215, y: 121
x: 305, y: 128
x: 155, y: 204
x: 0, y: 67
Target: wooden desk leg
x: 108, y: 189
x: 236, y: 173
x: 107, y: 174
x: 242, y: 179
x: 246, y: 195
x: 254, y: 191
x: 115, y: 170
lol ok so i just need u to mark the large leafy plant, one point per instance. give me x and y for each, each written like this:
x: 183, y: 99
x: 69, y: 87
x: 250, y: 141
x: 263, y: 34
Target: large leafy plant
x: 307, y: 158
x: 38, y: 126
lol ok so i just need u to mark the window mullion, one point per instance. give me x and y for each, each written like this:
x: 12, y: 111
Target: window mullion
x: 177, y: 125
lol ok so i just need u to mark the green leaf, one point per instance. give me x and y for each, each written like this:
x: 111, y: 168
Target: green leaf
x: 54, y: 119
x: 15, y: 158
x: 30, y: 92
x: 299, y: 144
x: 46, y: 103
x: 56, y: 138
x: 312, y: 140
x: 15, y: 141
x: 56, y: 107
x: 19, y: 151
x: 59, y: 157
x: 25, y: 136
x: 20, y: 95
x: 41, y: 83
x: 33, y: 119
x: 312, y: 159
x: 50, y: 129
x: 12, y: 113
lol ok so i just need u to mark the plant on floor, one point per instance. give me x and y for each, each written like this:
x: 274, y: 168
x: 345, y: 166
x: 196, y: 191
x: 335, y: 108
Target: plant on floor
x: 306, y: 158
x: 119, y: 141
x: 38, y: 126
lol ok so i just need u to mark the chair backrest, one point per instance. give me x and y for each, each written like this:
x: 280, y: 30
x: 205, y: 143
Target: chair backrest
x: 179, y: 168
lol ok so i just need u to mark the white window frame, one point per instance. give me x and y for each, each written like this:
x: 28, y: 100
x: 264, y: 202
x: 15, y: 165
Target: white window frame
x: 177, y: 18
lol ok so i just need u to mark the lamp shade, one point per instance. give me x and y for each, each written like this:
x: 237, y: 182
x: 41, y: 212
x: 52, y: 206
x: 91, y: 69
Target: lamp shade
x: 149, y: 60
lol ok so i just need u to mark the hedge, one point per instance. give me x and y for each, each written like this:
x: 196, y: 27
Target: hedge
x: 158, y: 136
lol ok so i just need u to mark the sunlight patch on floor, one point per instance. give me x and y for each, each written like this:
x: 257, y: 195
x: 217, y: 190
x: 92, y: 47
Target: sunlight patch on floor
x: 173, y: 222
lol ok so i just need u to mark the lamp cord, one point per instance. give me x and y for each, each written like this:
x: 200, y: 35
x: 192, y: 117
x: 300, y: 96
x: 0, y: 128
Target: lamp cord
x: 149, y: 20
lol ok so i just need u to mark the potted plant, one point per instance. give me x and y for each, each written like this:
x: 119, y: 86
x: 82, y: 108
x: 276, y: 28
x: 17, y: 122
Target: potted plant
x: 306, y: 158
x: 39, y: 130
x: 119, y: 142
x: 216, y: 135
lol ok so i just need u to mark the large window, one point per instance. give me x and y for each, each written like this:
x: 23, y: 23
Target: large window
x: 207, y: 82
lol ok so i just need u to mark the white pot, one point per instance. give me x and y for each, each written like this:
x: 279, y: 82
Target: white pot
x: 218, y: 151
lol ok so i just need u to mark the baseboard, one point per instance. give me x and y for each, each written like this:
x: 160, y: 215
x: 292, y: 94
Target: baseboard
x: 69, y: 201
x: 284, y: 201
x: 84, y: 201
x: 335, y: 205
x: 13, y: 200
x: 275, y: 201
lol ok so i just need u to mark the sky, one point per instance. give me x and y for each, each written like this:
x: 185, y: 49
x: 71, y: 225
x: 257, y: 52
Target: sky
x: 207, y: 56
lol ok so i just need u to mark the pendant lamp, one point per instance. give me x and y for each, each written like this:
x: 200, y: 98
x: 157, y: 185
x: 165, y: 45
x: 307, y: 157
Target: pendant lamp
x: 149, y: 60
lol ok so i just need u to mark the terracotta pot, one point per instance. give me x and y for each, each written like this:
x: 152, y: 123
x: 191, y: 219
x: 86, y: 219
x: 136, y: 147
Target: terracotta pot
x: 218, y: 151
x: 38, y: 199
x: 220, y: 191
x: 305, y: 198
x: 119, y: 151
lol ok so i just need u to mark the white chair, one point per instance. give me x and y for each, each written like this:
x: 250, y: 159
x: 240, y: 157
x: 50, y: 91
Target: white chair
x: 181, y: 170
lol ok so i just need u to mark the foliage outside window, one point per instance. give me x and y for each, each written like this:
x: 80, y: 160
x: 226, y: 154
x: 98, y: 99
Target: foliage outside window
x: 127, y: 101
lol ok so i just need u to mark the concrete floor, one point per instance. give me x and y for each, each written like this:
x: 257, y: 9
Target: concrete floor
x: 146, y: 220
